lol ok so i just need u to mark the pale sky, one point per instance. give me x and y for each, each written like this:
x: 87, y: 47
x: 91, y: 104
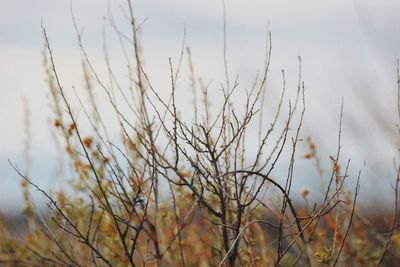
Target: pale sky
x: 348, y: 49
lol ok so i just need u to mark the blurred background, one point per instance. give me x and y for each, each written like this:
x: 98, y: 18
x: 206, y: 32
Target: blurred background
x: 348, y: 49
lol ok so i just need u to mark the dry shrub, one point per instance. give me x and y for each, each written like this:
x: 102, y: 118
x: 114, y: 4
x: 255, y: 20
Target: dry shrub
x: 174, y: 192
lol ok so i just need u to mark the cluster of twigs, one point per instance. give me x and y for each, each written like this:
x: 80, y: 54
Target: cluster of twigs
x: 187, y: 193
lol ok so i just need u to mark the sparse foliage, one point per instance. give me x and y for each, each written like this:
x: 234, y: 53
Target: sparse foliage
x: 178, y: 192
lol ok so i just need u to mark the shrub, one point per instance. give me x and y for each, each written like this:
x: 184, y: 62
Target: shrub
x: 178, y: 192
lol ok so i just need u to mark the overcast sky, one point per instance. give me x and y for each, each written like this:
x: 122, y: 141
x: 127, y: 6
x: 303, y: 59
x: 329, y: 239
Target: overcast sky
x: 348, y: 49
